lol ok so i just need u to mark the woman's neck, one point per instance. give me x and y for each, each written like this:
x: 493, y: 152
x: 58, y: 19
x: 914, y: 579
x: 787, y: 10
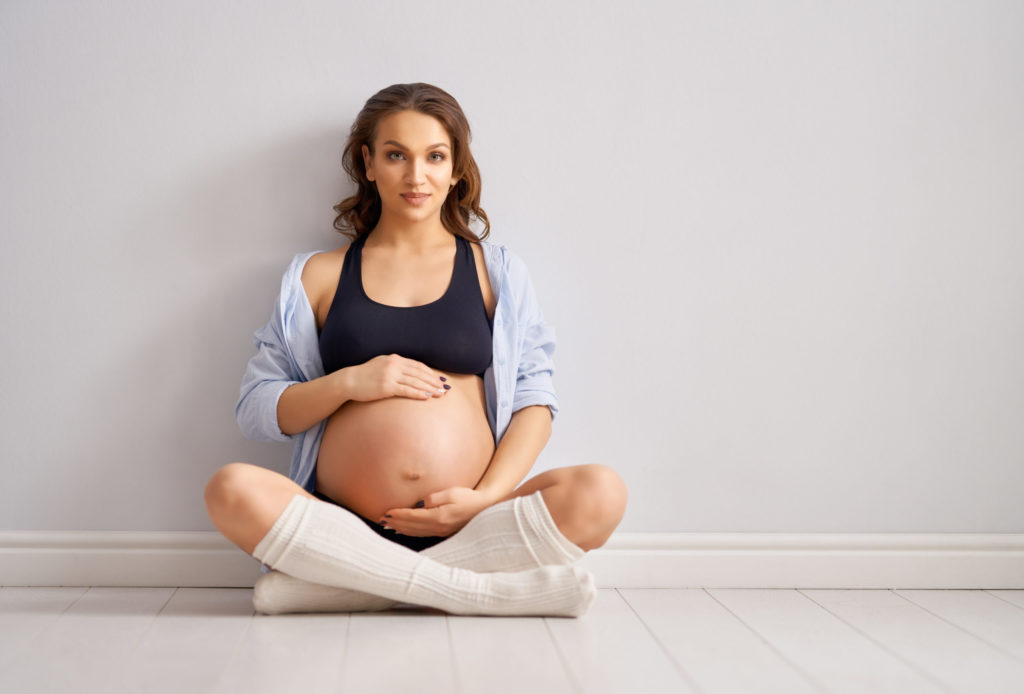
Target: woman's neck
x: 415, y: 238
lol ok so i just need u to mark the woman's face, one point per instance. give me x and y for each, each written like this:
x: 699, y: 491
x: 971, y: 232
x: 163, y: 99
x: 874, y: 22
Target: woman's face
x: 412, y: 154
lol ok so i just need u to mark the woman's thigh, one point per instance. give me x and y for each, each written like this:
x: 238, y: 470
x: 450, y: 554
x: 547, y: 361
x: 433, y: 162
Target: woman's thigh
x: 244, y: 500
x: 586, y: 502
x: 550, y: 478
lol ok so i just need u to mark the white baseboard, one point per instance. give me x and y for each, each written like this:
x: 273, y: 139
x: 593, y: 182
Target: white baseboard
x: 627, y: 560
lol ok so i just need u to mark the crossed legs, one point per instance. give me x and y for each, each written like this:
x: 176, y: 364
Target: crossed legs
x: 246, y: 503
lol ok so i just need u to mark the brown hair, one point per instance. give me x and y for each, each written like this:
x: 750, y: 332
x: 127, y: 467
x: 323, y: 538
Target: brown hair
x: 361, y: 212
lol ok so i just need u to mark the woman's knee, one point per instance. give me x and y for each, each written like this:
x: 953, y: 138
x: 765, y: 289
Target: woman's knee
x: 244, y: 500
x: 603, y: 491
x: 228, y: 483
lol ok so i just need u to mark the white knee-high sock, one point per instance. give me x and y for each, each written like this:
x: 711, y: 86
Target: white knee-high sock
x: 323, y: 543
x: 513, y: 535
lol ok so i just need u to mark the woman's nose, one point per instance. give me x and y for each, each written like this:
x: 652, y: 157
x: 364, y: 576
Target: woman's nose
x: 416, y: 172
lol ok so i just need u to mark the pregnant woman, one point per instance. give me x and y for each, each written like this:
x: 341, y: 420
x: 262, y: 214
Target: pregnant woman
x: 412, y: 370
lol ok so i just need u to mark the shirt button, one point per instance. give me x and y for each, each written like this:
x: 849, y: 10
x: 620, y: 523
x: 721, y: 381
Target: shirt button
x: 504, y: 403
x: 501, y: 361
x: 497, y: 321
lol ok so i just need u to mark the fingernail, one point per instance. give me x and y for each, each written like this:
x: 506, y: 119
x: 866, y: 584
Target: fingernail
x: 387, y: 515
x: 443, y: 378
x: 419, y: 504
x: 447, y: 387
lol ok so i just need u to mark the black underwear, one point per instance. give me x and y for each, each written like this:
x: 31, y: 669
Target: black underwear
x: 416, y: 544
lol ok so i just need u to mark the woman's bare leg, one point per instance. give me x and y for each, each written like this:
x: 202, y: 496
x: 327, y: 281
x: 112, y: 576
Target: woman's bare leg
x: 244, y: 500
x: 586, y: 502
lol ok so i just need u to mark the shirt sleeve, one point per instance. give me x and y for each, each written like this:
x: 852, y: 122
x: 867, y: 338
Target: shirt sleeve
x: 269, y: 372
x: 534, y: 379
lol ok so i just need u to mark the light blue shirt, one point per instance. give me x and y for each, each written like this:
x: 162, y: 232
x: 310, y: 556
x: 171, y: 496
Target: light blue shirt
x: 288, y: 352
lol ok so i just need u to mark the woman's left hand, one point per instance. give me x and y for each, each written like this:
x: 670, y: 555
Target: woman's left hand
x: 443, y: 514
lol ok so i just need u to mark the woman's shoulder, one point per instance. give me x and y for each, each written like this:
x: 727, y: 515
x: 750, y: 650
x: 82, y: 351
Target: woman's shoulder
x: 319, y: 265
x: 314, y: 273
x: 298, y: 263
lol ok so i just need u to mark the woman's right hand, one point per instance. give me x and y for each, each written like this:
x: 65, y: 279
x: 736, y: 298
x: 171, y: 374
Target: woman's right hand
x: 392, y: 375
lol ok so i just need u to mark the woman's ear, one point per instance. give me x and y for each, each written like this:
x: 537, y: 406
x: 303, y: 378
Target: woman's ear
x: 367, y: 162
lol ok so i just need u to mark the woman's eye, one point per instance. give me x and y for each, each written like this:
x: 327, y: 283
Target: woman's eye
x: 439, y: 155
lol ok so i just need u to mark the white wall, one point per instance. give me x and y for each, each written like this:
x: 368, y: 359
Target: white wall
x: 781, y: 243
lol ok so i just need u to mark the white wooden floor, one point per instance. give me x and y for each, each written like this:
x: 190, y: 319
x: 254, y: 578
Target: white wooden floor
x: 194, y: 640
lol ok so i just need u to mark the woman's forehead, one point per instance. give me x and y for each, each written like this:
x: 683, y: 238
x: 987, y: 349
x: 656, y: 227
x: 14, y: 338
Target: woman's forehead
x: 412, y: 130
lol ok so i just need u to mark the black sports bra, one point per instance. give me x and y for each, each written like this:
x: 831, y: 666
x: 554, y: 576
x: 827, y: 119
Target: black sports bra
x: 450, y: 334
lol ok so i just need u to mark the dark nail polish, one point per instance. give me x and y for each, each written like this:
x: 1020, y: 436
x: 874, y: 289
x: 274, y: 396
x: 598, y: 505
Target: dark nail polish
x: 387, y: 515
x: 447, y: 387
x: 419, y: 504
x: 443, y: 378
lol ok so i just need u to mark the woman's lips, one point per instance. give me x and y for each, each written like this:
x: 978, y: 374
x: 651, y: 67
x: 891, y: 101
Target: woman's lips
x: 415, y: 199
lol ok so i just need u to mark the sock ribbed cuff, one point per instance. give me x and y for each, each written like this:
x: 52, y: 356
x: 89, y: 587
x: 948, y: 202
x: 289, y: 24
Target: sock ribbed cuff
x: 555, y: 548
x: 272, y: 546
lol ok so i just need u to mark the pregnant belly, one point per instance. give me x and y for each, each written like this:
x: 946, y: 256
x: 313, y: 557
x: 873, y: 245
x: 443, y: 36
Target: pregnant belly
x: 390, y: 453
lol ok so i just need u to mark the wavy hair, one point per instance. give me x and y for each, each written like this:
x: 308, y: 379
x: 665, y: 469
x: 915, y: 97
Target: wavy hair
x: 359, y: 213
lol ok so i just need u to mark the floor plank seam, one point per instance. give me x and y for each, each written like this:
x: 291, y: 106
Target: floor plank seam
x: 1000, y: 597
x: 74, y: 602
x: 661, y: 646
x: 345, y: 654
x: 453, y: 663
x: 570, y: 675
x: 885, y: 649
x: 982, y: 639
x: 782, y: 656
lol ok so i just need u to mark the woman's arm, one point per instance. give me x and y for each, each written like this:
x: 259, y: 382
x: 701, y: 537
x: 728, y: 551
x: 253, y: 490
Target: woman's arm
x: 267, y: 374
x: 534, y: 402
x: 274, y: 369
x: 525, y: 438
x: 302, y: 405
x: 536, y: 339
x: 305, y: 404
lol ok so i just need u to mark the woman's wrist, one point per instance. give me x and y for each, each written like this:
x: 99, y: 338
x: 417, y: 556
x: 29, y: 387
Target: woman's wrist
x: 343, y: 386
x: 490, y: 494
